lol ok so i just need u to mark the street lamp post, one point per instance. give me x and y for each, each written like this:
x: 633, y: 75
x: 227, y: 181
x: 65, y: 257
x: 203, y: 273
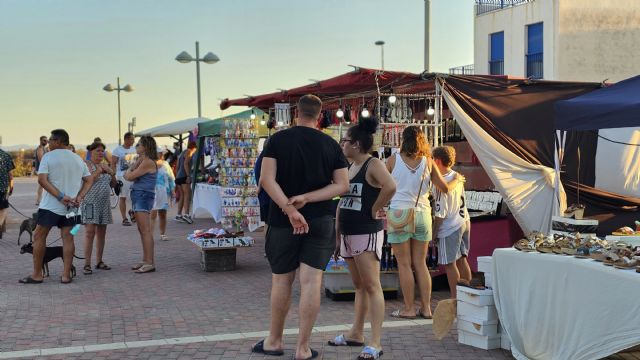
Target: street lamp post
x: 381, y: 44
x: 110, y: 88
x: 209, y: 58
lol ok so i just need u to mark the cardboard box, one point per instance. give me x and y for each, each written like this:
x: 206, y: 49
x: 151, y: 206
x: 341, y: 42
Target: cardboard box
x: 505, y: 342
x: 478, y: 327
x: 479, y: 341
x: 485, y: 264
x: 482, y: 313
x: 488, y: 280
x: 475, y: 296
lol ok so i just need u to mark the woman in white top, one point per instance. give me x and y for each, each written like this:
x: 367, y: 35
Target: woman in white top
x: 413, y: 169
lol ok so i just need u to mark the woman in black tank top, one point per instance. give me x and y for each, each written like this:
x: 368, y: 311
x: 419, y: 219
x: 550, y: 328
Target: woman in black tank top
x: 360, y: 234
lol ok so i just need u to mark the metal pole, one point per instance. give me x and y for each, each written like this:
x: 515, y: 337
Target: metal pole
x: 119, y: 114
x: 382, y: 52
x: 198, y: 76
x: 427, y: 33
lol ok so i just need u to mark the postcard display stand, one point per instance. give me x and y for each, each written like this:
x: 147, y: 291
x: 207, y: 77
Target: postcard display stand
x: 240, y: 206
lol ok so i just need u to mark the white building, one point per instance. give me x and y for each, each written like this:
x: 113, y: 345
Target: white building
x: 582, y: 40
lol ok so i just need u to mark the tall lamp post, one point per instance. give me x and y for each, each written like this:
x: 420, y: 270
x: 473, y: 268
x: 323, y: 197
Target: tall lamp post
x: 209, y: 58
x: 381, y: 44
x: 110, y: 88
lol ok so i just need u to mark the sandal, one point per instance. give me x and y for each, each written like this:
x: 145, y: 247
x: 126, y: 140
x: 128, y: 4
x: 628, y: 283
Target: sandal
x: 396, y: 314
x: 132, y: 215
x: 340, y: 340
x: 259, y: 348
x: 146, y: 268
x: 137, y: 266
x: 314, y: 354
x: 369, y: 352
x: 102, y: 266
x: 66, y: 282
x: 29, y: 280
x: 87, y: 270
x: 126, y: 222
x: 419, y: 313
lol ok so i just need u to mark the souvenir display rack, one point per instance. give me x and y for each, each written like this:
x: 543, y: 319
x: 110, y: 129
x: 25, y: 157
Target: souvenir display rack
x: 240, y: 205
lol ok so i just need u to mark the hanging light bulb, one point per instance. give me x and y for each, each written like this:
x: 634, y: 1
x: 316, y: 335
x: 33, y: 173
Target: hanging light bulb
x: 392, y: 99
x: 253, y: 115
x: 340, y: 113
x: 263, y: 121
x: 365, y: 112
x: 430, y: 111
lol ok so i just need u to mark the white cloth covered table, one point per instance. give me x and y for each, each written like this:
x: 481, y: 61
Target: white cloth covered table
x: 560, y: 307
x: 207, y: 199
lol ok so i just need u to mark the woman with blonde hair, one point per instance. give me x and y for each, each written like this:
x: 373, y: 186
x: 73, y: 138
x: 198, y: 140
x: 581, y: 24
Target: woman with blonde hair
x: 165, y: 193
x: 409, y: 218
x: 143, y: 175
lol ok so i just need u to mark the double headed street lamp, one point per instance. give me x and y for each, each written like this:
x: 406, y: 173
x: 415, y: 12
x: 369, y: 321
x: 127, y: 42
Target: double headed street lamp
x: 381, y: 44
x: 210, y: 58
x: 110, y: 88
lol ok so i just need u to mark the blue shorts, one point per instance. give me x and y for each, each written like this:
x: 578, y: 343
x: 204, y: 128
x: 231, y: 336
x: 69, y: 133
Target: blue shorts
x: 142, y: 200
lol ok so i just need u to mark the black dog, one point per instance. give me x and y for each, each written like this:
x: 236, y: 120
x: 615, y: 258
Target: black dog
x: 51, y: 252
x: 28, y: 225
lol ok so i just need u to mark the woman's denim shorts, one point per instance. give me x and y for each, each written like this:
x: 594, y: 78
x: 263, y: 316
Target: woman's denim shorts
x: 142, y: 200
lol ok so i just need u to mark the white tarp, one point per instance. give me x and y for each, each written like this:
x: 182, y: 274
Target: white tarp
x: 618, y: 165
x: 174, y: 128
x: 527, y: 189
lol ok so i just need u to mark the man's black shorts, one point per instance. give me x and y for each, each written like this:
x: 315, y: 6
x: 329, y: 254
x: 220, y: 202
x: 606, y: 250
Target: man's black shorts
x: 285, y: 251
x: 50, y: 219
x: 181, y: 181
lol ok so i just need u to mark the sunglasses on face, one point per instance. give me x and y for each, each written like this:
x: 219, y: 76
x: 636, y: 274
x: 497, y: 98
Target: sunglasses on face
x: 343, y: 141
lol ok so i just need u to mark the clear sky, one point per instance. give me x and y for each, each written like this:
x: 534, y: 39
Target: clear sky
x: 56, y: 55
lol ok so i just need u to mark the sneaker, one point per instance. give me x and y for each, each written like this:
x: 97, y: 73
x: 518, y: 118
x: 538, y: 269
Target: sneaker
x: 164, y: 238
x: 180, y: 218
x: 187, y: 219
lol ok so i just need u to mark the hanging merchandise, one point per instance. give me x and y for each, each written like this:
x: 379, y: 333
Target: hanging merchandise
x: 240, y: 206
x: 283, y: 114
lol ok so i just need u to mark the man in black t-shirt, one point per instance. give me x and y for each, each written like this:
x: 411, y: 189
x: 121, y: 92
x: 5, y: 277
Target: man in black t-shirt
x: 302, y: 170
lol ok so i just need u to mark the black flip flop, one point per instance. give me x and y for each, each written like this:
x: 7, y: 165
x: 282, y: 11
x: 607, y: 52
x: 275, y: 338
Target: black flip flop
x: 314, y: 354
x: 29, y: 280
x: 259, y: 348
x: 66, y: 282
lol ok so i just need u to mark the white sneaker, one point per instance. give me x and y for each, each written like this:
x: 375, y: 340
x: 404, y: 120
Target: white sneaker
x: 187, y: 219
x: 164, y: 238
x: 180, y: 218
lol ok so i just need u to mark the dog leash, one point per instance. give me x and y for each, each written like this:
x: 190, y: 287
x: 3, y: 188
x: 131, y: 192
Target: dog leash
x: 18, y: 211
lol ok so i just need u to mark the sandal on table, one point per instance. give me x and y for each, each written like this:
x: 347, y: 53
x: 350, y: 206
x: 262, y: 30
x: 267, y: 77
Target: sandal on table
x: 341, y: 340
x: 102, y: 266
x: 259, y: 348
x: 396, y: 314
x: 87, y: 270
x: 626, y: 263
x: 146, y: 268
x: 369, y: 352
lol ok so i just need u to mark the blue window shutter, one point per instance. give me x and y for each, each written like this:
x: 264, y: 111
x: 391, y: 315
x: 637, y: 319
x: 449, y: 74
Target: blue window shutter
x: 497, y: 46
x: 534, y: 38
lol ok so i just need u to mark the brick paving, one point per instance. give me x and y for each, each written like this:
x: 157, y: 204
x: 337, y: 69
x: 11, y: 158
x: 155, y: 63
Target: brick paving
x: 179, y: 300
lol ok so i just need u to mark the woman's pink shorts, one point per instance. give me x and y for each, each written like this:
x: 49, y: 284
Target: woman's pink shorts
x: 354, y: 245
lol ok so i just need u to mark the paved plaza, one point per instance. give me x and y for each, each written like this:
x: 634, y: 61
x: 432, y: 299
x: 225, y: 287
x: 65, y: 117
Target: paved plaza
x: 178, y: 312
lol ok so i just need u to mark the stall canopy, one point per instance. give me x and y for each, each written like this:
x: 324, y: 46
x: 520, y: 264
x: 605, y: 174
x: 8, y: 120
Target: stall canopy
x: 361, y: 81
x: 509, y: 124
x: 215, y: 126
x: 173, y: 129
x: 616, y: 106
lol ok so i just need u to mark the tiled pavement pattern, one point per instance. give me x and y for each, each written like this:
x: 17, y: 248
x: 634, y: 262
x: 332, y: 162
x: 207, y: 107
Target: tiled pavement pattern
x: 179, y: 300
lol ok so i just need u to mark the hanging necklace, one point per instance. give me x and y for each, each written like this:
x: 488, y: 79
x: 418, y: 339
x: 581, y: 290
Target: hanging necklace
x: 414, y: 169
